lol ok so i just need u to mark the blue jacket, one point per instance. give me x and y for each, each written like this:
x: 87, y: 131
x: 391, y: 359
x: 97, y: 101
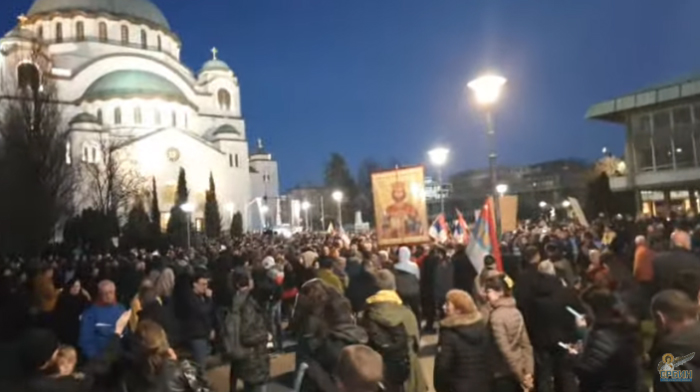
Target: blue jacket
x: 97, y: 327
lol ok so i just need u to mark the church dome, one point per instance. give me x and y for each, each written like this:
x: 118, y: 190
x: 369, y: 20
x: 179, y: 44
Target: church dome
x: 142, y: 10
x: 132, y: 84
x: 215, y: 65
x: 84, y: 118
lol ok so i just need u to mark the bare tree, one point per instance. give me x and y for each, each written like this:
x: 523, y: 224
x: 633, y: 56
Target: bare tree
x: 111, y: 179
x: 38, y: 184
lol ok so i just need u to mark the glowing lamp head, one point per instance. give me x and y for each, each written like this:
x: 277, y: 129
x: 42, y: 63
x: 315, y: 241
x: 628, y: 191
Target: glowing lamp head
x: 187, y: 207
x: 337, y: 196
x: 264, y: 209
x: 543, y: 204
x: 438, y: 156
x: 566, y: 204
x: 501, y: 188
x: 487, y: 89
x: 305, y: 205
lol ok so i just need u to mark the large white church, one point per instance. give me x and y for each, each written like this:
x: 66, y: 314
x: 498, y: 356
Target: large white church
x: 117, y: 70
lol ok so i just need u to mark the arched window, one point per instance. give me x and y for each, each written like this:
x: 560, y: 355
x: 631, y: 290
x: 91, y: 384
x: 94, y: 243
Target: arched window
x: 236, y: 159
x: 28, y: 76
x: 138, y: 119
x: 80, y: 31
x: 224, y: 98
x: 144, y: 39
x: 99, y: 116
x: 157, y: 117
x: 94, y: 154
x: 40, y: 32
x: 118, y: 116
x: 84, y: 155
x: 103, y: 32
x: 160, y: 44
x: 230, y: 160
x: 125, y: 35
x: 174, y: 119
x: 59, y: 32
x: 69, y: 159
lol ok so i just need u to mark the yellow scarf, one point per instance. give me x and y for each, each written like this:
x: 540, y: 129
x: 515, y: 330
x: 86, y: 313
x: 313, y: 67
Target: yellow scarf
x: 385, y: 296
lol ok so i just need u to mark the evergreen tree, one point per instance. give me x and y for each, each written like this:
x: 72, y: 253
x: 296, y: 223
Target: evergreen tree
x: 212, y: 218
x: 155, y: 213
x: 177, y: 225
x: 237, y: 225
x: 137, y: 231
x: 339, y: 178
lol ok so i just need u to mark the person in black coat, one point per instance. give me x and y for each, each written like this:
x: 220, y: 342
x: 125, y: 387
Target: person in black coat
x: 71, y: 303
x: 465, y: 273
x: 609, y: 360
x: 198, y: 323
x: 461, y: 363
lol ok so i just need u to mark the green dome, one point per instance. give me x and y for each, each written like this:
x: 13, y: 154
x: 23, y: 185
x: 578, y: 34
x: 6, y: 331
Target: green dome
x: 226, y: 129
x: 20, y: 33
x: 131, y: 9
x: 84, y: 118
x: 215, y: 65
x: 132, y: 84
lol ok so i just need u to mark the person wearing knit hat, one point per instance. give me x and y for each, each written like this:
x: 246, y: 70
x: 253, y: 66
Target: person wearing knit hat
x: 463, y: 345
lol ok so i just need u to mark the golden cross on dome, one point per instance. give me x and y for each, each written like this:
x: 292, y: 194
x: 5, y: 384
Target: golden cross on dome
x: 22, y: 19
x: 214, y: 52
x: 260, y: 145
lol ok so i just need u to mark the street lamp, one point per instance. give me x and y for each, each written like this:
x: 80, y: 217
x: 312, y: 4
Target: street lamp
x: 543, y: 204
x: 487, y: 89
x: 438, y: 156
x: 305, y: 205
x: 566, y: 204
x: 501, y: 189
x: 188, y: 209
x: 338, y: 197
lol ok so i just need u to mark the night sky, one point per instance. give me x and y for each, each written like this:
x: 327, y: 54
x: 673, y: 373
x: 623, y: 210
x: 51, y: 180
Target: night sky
x: 386, y: 79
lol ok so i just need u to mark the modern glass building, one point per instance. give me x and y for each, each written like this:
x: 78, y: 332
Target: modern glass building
x: 662, y: 150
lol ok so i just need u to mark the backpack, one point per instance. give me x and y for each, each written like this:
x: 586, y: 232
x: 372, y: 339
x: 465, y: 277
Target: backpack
x: 393, y: 345
x: 230, y: 331
x: 407, y: 285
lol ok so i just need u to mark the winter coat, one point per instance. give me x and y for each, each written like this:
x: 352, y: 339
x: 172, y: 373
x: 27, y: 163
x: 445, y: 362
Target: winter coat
x: 668, y: 265
x: 330, y: 278
x: 97, y: 327
x: 45, y: 293
x: 139, y: 378
x: 324, y: 353
x: 679, y: 343
x: 199, y: 320
x: 464, y: 272
x: 608, y: 361
x: 67, y: 316
x: 253, y: 335
x: 444, y: 279
x: 547, y: 320
x: 511, y: 349
x: 360, y: 288
x: 461, y: 363
x: 386, y: 309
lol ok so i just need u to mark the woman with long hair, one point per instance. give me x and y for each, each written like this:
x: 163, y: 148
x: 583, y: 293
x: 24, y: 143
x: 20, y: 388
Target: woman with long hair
x: 71, y: 303
x: 607, y: 361
x: 153, y: 365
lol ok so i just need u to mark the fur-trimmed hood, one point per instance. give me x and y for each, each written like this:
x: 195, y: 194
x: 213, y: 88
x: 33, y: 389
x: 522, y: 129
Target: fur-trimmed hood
x: 460, y: 320
x: 470, y: 328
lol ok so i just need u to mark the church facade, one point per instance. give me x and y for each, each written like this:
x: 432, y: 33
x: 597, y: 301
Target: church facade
x: 119, y: 79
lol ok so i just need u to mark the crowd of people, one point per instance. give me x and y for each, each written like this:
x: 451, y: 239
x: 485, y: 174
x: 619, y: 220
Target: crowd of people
x: 572, y: 308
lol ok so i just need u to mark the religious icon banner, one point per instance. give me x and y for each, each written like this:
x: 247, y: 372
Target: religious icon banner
x: 399, y: 206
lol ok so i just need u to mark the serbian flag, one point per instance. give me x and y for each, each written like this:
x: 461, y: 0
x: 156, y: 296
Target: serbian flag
x: 461, y: 233
x: 484, y: 240
x: 343, y: 236
x: 439, y: 230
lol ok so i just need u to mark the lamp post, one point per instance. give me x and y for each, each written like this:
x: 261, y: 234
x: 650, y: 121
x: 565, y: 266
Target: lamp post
x: 188, y: 209
x: 305, y: 205
x: 501, y: 189
x: 338, y: 197
x: 438, y: 157
x: 566, y: 204
x: 487, y: 89
x: 543, y: 204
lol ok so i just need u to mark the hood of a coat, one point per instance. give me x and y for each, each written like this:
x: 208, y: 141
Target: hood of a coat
x: 461, y: 320
x: 350, y: 333
x: 505, y: 302
x: 473, y: 334
x: 386, y: 308
x: 545, y: 285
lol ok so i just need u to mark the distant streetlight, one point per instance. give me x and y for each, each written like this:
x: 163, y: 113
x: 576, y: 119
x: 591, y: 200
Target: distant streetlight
x: 543, y: 204
x: 566, y: 204
x: 501, y: 189
x: 487, y: 89
x: 188, y: 209
x: 338, y: 197
x: 305, y: 205
x: 264, y: 209
x: 438, y: 157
